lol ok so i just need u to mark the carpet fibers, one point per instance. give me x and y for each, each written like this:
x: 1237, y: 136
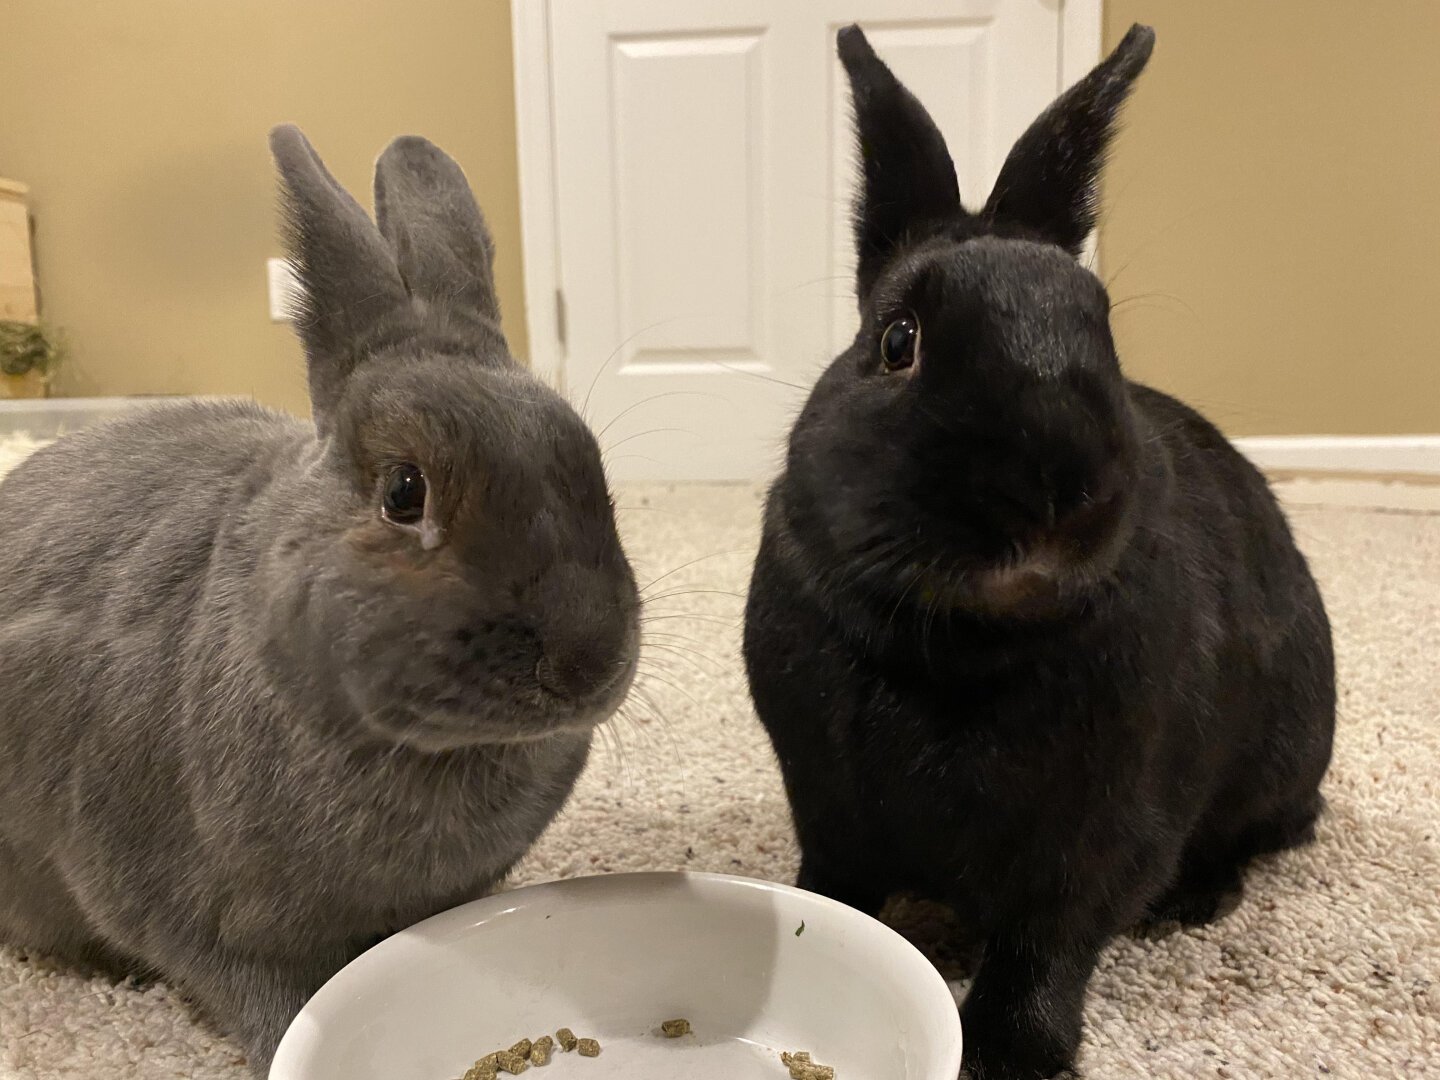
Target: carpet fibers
x: 1326, y: 969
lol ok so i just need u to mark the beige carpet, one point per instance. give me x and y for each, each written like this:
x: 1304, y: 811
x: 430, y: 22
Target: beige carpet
x: 1326, y: 969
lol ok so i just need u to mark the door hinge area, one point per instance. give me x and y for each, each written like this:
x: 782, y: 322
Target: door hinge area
x: 560, y: 328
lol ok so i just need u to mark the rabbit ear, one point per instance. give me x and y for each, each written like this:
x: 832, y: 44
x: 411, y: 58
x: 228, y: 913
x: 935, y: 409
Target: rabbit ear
x: 908, y: 179
x: 353, y: 298
x: 427, y: 212
x: 1048, y: 183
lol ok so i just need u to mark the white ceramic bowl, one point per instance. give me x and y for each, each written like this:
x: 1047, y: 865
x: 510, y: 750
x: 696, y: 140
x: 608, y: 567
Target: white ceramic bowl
x: 611, y: 957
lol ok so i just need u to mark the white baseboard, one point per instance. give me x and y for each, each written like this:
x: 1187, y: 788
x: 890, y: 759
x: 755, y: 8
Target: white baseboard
x: 1371, y: 455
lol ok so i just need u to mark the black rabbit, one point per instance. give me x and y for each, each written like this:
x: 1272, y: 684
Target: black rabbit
x: 1028, y: 637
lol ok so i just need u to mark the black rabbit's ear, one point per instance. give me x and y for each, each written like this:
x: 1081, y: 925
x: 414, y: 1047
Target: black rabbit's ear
x: 427, y: 212
x: 908, y: 179
x: 1049, y: 182
x: 353, y: 299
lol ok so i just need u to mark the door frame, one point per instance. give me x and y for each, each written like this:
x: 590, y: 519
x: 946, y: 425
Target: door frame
x: 1081, y: 32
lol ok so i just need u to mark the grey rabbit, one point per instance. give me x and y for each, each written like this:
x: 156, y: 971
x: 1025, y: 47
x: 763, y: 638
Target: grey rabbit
x: 1028, y: 638
x: 272, y: 691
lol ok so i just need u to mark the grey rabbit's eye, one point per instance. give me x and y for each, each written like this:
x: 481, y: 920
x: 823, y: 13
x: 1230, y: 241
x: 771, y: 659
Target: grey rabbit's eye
x: 404, y: 499
x: 900, y: 343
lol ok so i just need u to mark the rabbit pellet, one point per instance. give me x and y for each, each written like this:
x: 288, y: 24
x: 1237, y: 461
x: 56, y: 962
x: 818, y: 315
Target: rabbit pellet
x: 537, y: 1052
x: 528, y: 1052
x: 484, y: 1069
x: 511, y: 1062
x: 802, y: 1068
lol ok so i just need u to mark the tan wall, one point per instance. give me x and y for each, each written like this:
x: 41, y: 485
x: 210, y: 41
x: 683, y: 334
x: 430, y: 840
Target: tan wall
x: 1273, y: 231
x: 140, y: 128
x: 1273, y: 224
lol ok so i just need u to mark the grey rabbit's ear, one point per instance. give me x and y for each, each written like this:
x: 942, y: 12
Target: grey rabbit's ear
x: 353, y: 300
x: 427, y: 212
x: 1049, y: 182
x: 907, y: 177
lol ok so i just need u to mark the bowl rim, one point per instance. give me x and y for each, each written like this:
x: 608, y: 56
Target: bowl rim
x: 286, y: 1064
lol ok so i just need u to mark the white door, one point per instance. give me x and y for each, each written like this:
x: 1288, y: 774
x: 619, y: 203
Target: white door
x: 702, y: 178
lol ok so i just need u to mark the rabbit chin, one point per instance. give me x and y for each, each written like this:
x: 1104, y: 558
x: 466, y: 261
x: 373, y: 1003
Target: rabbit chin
x: 1035, y: 585
x: 441, y: 730
x: 524, y: 719
x: 1043, y: 582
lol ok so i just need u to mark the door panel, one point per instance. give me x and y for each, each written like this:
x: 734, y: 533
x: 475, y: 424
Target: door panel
x: 704, y: 172
x: 666, y: 89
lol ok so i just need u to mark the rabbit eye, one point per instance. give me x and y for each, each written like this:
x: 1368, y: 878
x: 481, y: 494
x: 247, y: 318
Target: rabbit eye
x: 404, y: 498
x: 900, y: 343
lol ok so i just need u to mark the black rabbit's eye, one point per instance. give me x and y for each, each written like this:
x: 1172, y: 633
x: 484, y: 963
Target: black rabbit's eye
x: 404, y: 500
x: 900, y: 343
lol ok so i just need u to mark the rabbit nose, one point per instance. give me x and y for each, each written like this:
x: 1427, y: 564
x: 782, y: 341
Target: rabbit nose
x: 587, y: 634
x: 580, y: 667
x: 586, y: 650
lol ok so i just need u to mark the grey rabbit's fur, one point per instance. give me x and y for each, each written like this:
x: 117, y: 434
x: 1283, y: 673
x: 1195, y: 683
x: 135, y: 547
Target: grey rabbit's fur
x: 249, y: 727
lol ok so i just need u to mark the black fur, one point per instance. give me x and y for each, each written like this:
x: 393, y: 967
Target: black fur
x: 1027, y: 637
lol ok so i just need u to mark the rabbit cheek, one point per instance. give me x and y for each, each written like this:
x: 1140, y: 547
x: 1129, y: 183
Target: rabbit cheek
x: 374, y: 541
x: 405, y: 558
